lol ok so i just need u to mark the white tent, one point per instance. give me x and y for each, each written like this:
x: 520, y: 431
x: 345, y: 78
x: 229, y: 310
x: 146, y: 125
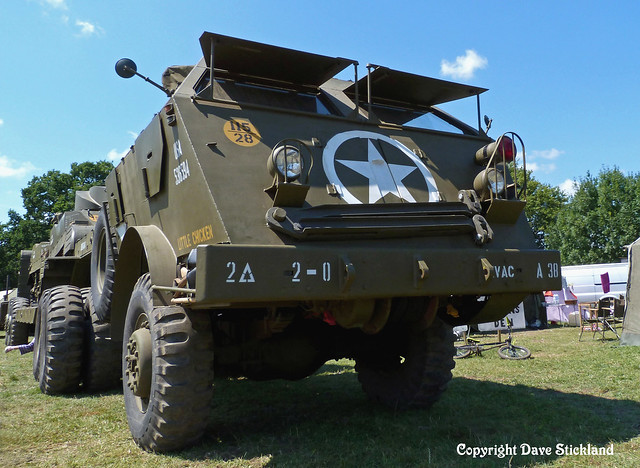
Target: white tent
x: 631, y: 326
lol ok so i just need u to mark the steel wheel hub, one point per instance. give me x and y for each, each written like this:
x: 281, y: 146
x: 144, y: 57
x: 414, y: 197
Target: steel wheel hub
x: 138, y: 372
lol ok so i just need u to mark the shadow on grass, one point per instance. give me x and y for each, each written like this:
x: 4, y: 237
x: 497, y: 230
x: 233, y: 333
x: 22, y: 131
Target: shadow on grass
x: 326, y: 420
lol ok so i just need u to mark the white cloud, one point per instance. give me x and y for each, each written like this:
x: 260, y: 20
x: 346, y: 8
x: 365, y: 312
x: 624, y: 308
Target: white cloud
x: 114, y: 155
x: 541, y: 168
x: 88, y: 29
x: 1, y: 122
x: 58, y: 4
x: 10, y: 168
x: 545, y: 154
x: 540, y: 161
x: 569, y: 187
x: 465, y: 65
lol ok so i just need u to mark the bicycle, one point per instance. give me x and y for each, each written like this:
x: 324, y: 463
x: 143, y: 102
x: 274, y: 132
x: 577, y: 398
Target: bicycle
x: 506, y: 348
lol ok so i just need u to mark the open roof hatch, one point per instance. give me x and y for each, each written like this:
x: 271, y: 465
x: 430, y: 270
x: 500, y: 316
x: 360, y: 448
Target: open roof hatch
x: 392, y: 87
x: 265, y: 64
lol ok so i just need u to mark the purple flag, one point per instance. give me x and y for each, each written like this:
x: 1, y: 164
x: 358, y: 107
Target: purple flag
x: 606, y: 285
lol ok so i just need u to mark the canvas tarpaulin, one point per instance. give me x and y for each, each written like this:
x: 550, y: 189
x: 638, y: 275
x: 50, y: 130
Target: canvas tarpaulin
x: 631, y: 326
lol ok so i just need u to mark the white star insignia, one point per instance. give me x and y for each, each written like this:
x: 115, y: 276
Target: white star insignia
x: 383, y: 178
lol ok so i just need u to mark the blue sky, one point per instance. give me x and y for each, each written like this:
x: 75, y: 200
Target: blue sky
x: 563, y: 75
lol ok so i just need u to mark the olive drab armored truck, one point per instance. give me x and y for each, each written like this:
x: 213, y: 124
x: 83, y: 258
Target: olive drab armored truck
x: 72, y: 348
x: 272, y: 217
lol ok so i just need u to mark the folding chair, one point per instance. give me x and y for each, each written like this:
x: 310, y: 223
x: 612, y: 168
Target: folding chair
x: 588, y: 312
x: 609, y: 315
x: 600, y: 317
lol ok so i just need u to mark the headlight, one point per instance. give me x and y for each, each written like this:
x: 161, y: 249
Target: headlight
x: 495, y: 180
x: 490, y: 181
x: 286, y: 161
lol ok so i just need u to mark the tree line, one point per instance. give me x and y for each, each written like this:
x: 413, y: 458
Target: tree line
x: 592, y: 226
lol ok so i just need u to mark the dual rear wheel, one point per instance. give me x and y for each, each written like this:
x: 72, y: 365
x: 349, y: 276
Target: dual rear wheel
x: 73, y: 348
x: 57, y: 358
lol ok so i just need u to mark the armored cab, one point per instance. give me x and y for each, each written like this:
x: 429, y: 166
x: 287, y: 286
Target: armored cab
x: 272, y: 217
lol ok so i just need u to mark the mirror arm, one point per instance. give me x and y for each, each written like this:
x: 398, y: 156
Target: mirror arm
x: 148, y: 80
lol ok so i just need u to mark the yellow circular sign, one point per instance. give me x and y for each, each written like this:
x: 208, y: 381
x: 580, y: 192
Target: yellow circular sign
x: 241, y: 132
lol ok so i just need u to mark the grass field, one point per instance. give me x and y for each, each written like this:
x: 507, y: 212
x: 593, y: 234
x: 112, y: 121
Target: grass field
x: 569, y: 393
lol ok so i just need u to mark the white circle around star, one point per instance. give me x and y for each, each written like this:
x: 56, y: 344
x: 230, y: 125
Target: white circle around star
x: 383, y: 178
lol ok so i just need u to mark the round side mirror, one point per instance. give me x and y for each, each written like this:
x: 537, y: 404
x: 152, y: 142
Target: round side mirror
x: 126, y: 68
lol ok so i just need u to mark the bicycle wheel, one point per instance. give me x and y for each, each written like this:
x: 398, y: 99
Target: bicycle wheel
x: 462, y: 352
x: 513, y: 352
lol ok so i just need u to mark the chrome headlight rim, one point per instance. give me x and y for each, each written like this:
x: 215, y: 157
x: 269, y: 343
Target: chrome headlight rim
x: 490, y: 183
x: 286, y: 162
x: 494, y: 181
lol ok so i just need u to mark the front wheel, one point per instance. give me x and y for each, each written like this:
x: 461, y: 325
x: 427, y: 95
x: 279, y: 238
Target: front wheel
x: 513, y: 352
x: 167, y: 372
x: 411, y: 367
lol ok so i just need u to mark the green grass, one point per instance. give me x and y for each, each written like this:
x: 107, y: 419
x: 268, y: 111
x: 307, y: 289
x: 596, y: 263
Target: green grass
x: 570, y: 392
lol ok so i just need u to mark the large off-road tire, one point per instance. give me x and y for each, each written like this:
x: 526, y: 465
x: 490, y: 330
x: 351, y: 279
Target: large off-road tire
x: 411, y: 366
x: 16, y: 333
x: 167, y: 372
x: 38, y: 358
x: 102, y: 269
x: 57, y: 360
x: 101, y: 363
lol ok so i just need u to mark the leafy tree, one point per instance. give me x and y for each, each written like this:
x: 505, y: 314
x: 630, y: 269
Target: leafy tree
x: 54, y: 191
x: 43, y: 197
x: 544, y: 202
x: 16, y: 235
x: 600, y: 219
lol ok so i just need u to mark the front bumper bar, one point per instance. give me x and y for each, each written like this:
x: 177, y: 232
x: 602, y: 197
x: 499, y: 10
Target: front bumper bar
x: 245, y: 274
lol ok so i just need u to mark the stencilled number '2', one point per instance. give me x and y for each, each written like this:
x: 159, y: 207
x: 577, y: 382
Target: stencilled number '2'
x: 296, y: 272
x: 232, y: 271
x: 245, y: 277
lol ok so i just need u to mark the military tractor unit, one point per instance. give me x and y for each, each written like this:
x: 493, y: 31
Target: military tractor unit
x: 72, y: 348
x: 270, y: 218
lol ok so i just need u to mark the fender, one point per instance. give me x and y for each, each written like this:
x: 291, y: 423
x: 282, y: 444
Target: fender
x: 144, y: 249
